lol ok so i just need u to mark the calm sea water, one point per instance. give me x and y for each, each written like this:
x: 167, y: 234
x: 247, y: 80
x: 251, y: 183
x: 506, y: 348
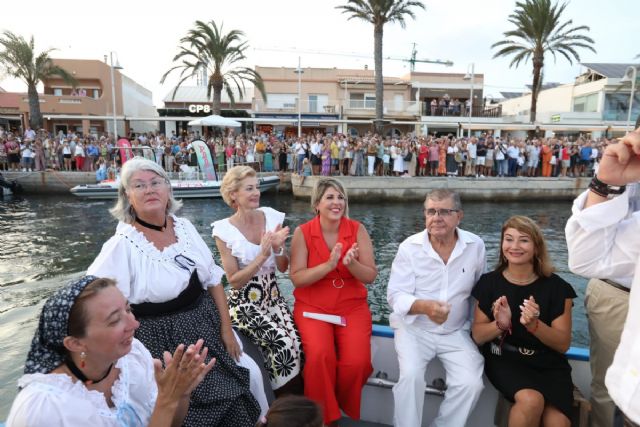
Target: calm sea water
x: 47, y: 241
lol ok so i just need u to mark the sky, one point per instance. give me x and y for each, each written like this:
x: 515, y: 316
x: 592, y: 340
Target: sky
x: 145, y: 36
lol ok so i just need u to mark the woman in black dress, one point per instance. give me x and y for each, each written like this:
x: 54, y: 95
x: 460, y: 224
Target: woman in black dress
x: 523, y: 323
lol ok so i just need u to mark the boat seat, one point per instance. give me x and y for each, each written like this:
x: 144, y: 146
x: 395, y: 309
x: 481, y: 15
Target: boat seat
x: 579, y: 418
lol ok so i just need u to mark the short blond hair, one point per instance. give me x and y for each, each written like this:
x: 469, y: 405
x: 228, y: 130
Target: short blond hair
x: 231, y: 182
x: 321, y: 186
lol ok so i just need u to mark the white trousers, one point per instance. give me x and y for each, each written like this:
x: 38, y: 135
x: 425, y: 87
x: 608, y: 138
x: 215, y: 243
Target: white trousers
x: 371, y: 161
x: 256, y: 385
x: 463, y: 365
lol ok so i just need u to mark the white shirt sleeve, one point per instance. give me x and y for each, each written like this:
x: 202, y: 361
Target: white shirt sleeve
x: 402, y: 286
x: 602, y: 239
x: 113, y: 262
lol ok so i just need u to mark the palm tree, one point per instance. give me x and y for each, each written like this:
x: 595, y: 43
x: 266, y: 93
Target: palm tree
x: 539, y: 30
x: 206, y: 47
x: 379, y: 12
x: 19, y: 60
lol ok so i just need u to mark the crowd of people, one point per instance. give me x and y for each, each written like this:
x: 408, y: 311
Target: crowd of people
x: 328, y: 155
x: 158, y: 268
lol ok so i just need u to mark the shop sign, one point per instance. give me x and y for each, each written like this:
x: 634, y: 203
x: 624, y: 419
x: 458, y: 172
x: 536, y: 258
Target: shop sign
x: 199, y: 108
x: 555, y: 118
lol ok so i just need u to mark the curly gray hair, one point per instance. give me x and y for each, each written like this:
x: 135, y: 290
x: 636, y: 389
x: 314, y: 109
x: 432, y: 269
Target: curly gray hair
x: 123, y: 211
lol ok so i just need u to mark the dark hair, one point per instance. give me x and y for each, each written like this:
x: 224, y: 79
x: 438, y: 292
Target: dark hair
x: 293, y: 411
x: 78, y: 314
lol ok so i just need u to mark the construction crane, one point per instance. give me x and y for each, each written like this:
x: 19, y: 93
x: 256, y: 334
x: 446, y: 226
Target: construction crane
x: 413, y: 60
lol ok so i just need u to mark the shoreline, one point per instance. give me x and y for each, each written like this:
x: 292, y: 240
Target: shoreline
x: 360, y: 188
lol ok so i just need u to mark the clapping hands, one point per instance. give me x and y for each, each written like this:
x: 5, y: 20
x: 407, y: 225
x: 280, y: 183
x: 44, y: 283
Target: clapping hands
x: 502, y: 313
x: 183, y: 371
x: 529, y: 312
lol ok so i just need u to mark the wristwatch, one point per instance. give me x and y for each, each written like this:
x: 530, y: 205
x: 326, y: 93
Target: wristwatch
x: 280, y: 252
x: 605, y: 190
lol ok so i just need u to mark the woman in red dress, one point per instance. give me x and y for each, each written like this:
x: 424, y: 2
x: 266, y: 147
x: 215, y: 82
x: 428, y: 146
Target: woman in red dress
x: 331, y: 260
x: 423, y: 158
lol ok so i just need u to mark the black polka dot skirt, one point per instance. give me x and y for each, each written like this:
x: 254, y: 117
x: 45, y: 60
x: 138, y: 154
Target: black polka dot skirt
x: 223, y: 398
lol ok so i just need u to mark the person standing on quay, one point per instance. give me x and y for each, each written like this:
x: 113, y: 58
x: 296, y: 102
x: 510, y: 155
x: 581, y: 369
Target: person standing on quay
x: 331, y: 260
x: 251, y: 246
x: 430, y: 293
x: 602, y: 239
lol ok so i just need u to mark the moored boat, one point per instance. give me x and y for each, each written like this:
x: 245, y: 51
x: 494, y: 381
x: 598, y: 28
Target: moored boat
x: 182, y: 189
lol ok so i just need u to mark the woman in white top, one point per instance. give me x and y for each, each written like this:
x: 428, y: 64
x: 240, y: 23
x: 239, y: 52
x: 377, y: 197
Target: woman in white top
x: 85, y: 368
x: 251, y: 246
x: 167, y: 272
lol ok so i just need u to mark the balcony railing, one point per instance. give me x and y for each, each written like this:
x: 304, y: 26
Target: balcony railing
x: 462, y: 111
x: 338, y: 106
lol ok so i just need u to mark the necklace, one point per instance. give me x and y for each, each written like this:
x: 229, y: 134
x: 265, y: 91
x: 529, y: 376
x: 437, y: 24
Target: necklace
x: 81, y: 376
x: 526, y: 281
x: 152, y: 226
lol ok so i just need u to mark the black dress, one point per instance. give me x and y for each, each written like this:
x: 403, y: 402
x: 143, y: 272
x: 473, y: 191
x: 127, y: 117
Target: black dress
x: 546, y: 371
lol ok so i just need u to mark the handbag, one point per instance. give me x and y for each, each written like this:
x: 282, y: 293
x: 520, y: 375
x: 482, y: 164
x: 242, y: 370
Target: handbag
x: 553, y: 160
x: 408, y: 157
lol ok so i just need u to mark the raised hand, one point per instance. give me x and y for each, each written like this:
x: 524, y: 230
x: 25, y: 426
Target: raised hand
x: 266, y: 243
x: 502, y: 313
x: 183, y: 371
x: 351, y: 255
x: 280, y: 235
x: 529, y: 312
x: 334, y: 257
x: 620, y: 164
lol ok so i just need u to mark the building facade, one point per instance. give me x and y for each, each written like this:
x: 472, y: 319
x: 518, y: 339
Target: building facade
x: 88, y: 107
x: 597, y: 102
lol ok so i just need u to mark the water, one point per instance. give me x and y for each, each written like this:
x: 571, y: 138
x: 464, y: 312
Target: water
x: 47, y: 241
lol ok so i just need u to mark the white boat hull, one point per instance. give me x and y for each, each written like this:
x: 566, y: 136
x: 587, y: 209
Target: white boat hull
x: 182, y: 189
x: 377, y: 397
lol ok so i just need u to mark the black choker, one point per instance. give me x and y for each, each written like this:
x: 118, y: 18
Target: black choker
x: 151, y: 226
x: 79, y: 375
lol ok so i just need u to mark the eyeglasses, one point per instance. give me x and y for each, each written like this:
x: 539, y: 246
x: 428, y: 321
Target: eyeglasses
x: 441, y: 212
x: 154, y: 184
x: 184, y: 262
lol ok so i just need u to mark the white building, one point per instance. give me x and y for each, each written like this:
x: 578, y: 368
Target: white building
x: 597, y: 102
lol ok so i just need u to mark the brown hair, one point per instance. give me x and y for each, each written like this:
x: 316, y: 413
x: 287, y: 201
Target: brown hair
x: 78, y: 316
x: 542, y: 265
x: 293, y: 411
x: 231, y: 182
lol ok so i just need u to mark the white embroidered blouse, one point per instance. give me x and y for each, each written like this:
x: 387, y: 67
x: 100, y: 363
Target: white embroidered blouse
x: 56, y: 400
x: 145, y: 274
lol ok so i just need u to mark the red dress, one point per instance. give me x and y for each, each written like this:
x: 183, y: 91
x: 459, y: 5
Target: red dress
x: 423, y: 157
x: 337, y: 358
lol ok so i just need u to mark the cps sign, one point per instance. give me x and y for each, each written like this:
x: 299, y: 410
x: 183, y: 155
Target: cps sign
x: 198, y: 108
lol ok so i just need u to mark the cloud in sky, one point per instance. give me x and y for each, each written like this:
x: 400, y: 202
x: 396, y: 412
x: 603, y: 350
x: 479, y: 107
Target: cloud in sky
x: 145, y: 35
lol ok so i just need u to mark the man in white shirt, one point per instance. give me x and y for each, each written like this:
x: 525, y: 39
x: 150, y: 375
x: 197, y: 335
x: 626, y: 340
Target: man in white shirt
x: 602, y: 239
x: 430, y: 293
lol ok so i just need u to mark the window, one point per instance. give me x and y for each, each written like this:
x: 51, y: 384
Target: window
x: 616, y: 106
x: 362, y: 100
x: 586, y: 103
x: 57, y: 91
x: 317, y: 103
x: 285, y: 101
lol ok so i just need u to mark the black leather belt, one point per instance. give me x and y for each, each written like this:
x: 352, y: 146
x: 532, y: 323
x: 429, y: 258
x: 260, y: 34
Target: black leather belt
x: 497, y: 348
x: 616, y: 285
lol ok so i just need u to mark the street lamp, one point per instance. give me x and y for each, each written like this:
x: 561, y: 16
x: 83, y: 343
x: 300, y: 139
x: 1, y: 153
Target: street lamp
x: 630, y: 74
x: 299, y: 72
x: 113, y: 96
x: 470, y: 77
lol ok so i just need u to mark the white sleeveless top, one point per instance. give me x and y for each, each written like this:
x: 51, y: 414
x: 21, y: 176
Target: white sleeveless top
x: 245, y: 251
